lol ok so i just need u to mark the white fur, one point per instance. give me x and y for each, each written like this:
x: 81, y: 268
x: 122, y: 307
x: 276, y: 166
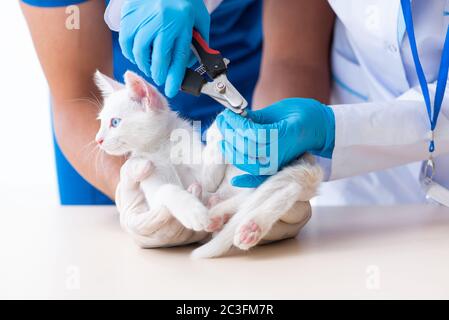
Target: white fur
x: 266, y: 205
x: 144, y: 132
x: 181, y: 189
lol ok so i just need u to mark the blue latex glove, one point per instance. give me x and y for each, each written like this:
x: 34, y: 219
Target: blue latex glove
x: 297, y: 126
x: 157, y: 34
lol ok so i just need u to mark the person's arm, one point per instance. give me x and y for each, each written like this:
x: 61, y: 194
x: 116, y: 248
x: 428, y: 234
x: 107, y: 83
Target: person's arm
x: 297, y: 40
x: 69, y: 58
x: 380, y: 135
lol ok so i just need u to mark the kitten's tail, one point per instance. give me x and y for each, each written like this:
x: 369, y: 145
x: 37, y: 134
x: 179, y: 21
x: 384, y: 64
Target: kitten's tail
x: 220, y: 244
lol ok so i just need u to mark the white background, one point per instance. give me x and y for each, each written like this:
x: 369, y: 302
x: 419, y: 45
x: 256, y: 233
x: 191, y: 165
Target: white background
x: 27, y: 169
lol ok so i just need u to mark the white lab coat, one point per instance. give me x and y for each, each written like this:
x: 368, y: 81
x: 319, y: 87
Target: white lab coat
x: 381, y: 122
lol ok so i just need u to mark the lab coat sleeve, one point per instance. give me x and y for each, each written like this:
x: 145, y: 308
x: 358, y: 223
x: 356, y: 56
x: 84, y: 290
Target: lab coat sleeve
x: 380, y: 135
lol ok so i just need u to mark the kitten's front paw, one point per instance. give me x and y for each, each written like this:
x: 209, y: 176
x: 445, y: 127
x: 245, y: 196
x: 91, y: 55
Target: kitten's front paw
x: 198, y: 218
x: 213, y: 201
x: 248, y: 235
x: 195, y: 189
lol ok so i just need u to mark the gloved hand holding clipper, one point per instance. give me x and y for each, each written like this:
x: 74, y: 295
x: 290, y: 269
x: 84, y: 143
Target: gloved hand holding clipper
x: 300, y: 125
x: 157, y: 35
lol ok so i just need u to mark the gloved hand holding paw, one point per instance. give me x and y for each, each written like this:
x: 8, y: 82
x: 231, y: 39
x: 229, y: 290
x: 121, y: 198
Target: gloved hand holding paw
x: 149, y: 230
x: 269, y: 139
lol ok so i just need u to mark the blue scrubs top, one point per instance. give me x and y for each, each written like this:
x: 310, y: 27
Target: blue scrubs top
x: 236, y: 31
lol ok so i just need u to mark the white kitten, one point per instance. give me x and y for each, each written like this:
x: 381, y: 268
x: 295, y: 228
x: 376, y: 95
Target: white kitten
x: 137, y: 121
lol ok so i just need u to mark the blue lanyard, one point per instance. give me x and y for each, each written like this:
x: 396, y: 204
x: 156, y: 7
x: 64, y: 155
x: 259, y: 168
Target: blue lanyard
x: 442, y: 74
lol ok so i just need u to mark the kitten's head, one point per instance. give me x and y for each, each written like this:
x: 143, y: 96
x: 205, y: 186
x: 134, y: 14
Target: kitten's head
x: 133, y: 116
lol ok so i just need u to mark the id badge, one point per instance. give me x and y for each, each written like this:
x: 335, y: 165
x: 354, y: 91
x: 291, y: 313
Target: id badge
x: 437, y: 193
x: 434, y: 191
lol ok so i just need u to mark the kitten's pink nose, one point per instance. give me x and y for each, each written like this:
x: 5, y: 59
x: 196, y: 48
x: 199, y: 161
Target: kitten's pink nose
x: 100, y: 141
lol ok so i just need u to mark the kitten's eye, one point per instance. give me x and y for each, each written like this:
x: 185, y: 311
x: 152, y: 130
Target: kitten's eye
x: 115, y: 122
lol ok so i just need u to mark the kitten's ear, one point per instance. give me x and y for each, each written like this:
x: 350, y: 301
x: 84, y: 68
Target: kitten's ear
x: 143, y: 92
x: 106, y: 84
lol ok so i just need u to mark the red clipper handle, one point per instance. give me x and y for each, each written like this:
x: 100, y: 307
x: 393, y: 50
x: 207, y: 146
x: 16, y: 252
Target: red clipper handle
x: 210, y: 58
x: 203, y: 44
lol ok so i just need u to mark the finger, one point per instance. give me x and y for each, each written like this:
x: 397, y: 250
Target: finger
x: 255, y: 135
x: 254, y: 144
x: 260, y: 165
x: 236, y: 121
x: 248, y: 181
x: 181, y: 54
x: 128, y: 29
x: 192, y: 59
x: 256, y: 150
x: 280, y: 110
x: 142, y: 49
x: 246, y: 126
x: 264, y: 116
x: 238, y: 159
x: 231, y: 125
x: 249, y: 142
x: 203, y: 24
x: 126, y: 41
x: 162, y: 55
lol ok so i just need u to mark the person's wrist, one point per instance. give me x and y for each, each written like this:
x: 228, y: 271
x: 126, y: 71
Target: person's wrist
x: 325, y: 145
x: 329, y: 127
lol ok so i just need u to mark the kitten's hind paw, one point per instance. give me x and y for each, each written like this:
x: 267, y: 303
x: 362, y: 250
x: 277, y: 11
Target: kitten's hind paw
x: 248, y: 235
x: 195, y: 189
x: 217, y: 222
x: 197, y: 217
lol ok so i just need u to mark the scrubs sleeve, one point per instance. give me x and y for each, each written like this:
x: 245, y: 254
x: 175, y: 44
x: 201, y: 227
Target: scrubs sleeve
x: 376, y: 136
x: 52, y: 3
